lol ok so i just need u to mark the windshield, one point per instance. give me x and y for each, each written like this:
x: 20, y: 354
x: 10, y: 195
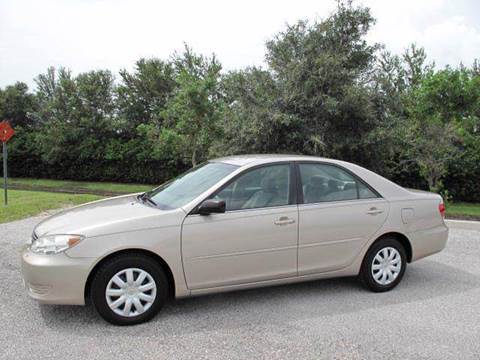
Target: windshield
x: 186, y: 187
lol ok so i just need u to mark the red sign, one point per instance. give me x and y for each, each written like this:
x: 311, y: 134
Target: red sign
x: 6, y: 131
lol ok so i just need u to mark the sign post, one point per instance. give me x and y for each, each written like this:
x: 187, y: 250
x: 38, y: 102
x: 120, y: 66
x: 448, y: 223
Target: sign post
x: 6, y: 132
x: 4, y: 145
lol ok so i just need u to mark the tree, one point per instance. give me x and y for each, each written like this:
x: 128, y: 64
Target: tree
x: 76, y: 114
x: 447, y: 105
x: 396, y: 77
x: 416, y: 67
x: 252, y: 121
x: 143, y: 94
x: 431, y: 144
x: 192, y: 113
x: 323, y: 71
x: 17, y: 104
x: 438, y: 112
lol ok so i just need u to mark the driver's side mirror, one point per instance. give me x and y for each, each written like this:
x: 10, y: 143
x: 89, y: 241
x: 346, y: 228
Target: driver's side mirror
x: 211, y: 206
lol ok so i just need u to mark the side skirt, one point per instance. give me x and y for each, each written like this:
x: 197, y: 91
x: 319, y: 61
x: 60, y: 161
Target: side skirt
x: 349, y: 271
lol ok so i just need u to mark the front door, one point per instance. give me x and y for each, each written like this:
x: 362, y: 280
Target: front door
x: 254, y: 240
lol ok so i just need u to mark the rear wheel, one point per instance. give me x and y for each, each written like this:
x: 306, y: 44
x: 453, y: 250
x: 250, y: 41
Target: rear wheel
x: 384, y: 265
x: 129, y: 289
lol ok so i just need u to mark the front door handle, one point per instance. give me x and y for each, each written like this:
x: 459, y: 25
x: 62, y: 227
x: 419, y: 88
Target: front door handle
x: 284, y: 220
x: 374, y: 211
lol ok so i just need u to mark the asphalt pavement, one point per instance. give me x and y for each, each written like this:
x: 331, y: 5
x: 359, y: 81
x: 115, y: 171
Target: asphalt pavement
x: 433, y: 314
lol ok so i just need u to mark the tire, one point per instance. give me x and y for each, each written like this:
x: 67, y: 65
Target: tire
x: 372, y: 271
x: 146, y: 294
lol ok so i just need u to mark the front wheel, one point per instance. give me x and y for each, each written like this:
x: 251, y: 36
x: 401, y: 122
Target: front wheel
x: 129, y: 289
x: 384, y: 265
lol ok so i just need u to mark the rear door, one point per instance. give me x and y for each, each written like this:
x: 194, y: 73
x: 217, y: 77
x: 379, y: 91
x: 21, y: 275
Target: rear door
x: 338, y: 213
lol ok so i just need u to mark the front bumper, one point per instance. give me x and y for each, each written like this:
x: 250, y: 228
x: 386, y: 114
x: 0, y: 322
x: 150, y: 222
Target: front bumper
x: 55, y: 279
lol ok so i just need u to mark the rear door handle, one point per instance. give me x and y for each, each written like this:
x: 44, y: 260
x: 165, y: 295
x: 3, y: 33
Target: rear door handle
x: 374, y: 211
x: 284, y: 220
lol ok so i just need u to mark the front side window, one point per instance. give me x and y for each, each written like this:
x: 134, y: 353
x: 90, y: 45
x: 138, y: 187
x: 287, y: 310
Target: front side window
x: 323, y: 182
x: 263, y: 187
x: 189, y: 185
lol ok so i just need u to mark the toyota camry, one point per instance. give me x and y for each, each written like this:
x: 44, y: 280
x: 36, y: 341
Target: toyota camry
x: 229, y: 224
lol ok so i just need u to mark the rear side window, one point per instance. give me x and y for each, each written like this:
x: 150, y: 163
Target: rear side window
x: 323, y: 183
x: 364, y: 192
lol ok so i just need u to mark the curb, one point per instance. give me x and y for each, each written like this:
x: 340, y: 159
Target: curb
x: 463, y: 221
x: 463, y: 224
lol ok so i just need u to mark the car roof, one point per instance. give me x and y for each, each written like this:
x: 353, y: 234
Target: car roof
x: 252, y: 159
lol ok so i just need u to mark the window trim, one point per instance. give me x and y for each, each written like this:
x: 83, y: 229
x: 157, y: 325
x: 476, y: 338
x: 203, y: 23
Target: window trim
x: 351, y: 173
x: 293, y: 187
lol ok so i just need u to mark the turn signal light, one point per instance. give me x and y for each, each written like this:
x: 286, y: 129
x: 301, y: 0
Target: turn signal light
x: 73, y: 241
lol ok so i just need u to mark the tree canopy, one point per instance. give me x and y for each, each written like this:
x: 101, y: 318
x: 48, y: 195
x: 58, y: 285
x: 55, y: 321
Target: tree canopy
x: 325, y: 90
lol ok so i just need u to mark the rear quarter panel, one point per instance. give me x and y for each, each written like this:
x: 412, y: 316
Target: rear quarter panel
x: 419, y: 219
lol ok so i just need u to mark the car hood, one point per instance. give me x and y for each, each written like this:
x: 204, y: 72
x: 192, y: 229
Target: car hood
x: 113, y: 215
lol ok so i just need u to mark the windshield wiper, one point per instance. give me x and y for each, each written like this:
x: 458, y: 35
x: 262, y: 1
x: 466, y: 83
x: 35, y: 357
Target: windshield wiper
x: 146, y: 198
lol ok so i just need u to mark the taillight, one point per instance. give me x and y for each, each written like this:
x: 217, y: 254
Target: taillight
x: 441, y: 208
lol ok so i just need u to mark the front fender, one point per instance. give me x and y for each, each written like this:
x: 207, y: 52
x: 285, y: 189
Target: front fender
x: 163, y: 242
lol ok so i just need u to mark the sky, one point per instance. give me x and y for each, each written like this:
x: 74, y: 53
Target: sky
x: 84, y: 35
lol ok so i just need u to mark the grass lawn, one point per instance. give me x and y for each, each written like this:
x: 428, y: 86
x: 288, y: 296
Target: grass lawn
x: 463, y: 211
x: 29, y: 197
x: 99, y: 188
x: 22, y: 204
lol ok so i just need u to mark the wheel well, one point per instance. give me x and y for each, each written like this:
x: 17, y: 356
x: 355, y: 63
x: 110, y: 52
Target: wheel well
x: 157, y: 258
x: 402, y: 239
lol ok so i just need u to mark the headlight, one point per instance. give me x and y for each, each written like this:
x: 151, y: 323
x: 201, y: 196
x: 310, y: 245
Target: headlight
x: 54, y: 244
